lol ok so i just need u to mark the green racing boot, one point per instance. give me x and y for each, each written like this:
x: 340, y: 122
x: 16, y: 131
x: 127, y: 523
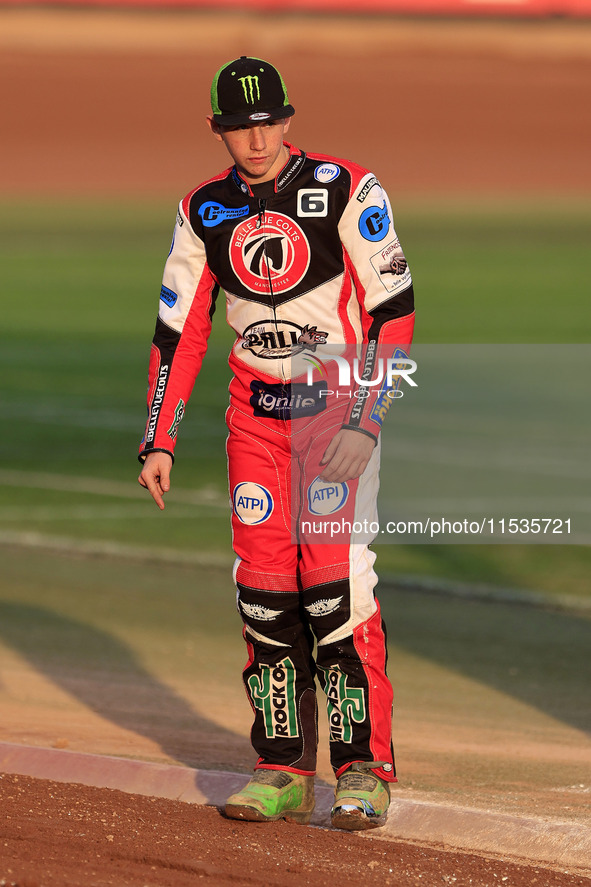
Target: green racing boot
x: 361, y: 798
x: 272, y: 795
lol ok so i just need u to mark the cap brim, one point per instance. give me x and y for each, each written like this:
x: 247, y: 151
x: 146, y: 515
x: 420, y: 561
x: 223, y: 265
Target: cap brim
x: 255, y: 117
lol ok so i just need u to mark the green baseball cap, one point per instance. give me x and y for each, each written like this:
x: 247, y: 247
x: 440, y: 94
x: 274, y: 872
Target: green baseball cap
x: 248, y: 90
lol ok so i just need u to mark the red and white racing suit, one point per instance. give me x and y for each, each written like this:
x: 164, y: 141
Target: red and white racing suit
x: 308, y: 259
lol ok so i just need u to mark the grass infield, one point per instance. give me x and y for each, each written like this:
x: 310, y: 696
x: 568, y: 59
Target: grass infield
x: 82, y: 297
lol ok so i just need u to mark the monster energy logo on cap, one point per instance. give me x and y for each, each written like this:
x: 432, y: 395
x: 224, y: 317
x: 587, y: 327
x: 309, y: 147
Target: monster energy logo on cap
x: 249, y: 85
x: 248, y: 90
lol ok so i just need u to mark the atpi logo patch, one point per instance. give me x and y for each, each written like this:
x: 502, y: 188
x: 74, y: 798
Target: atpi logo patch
x: 253, y: 504
x: 275, y: 255
x: 326, y: 498
x: 273, y: 692
x: 326, y: 172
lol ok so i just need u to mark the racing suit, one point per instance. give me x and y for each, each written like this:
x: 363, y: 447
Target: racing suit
x: 308, y: 259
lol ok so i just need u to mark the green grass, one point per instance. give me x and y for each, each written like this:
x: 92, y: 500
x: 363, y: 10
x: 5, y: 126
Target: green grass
x: 500, y: 274
x: 82, y: 283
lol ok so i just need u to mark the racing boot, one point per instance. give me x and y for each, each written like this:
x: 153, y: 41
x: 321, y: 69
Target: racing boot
x: 272, y: 795
x: 361, y: 798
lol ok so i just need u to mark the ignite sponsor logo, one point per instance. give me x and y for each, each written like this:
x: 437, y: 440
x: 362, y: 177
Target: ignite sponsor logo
x: 253, y: 503
x: 326, y: 498
x: 345, y: 705
x: 283, y: 402
x: 273, y: 693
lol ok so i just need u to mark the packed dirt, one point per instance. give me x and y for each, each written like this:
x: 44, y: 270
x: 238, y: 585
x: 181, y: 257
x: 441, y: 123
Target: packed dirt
x: 75, y: 836
x: 114, y: 103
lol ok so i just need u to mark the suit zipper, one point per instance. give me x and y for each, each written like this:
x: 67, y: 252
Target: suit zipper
x: 262, y: 208
x: 260, y: 223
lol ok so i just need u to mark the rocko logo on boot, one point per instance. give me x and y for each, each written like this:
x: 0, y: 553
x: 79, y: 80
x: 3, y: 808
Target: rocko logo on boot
x: 273, y: 693
x: 345, y: 705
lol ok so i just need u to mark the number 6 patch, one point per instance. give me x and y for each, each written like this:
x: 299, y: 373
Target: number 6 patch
x: 313, y: 202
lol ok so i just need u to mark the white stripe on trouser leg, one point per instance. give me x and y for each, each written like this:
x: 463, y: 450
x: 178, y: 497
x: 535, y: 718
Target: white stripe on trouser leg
x: 237, y: 563
x: 362, y: 576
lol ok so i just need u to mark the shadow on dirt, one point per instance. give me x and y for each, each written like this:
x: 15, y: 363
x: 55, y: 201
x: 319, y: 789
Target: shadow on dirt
x: 536, y: 655
x: 105, y: 675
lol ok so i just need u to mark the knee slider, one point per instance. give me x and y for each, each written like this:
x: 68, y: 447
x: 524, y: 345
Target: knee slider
x: 276, y: 615
x: 328, y: 607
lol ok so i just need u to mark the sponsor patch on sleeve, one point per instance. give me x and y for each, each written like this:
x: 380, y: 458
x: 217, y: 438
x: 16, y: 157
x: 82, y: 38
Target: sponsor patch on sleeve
x: 366, y: 189
x: 374, y: 222
x: 178, y: 418
x: 387, y: 394
x: 391, y: 267
x: 168, y: 296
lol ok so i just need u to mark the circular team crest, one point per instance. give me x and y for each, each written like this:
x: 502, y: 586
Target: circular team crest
x: 276, y: 255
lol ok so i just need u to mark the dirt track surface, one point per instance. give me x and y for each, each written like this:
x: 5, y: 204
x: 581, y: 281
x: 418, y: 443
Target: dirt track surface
x: 115, y: 103
x: 76, y: 836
